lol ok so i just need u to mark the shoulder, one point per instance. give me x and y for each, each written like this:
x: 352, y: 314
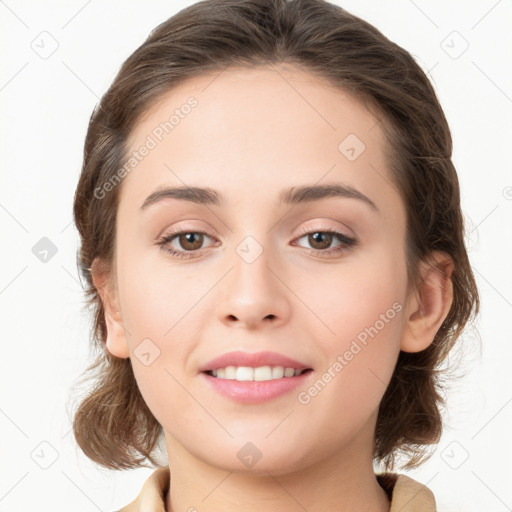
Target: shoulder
x: 406, y: 494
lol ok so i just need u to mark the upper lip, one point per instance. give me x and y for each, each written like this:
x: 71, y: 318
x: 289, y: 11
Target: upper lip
x: 255, y: 360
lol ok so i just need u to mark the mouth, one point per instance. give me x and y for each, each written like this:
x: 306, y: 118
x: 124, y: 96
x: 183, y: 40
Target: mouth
x: 255, y: 385
x: 256, y: 374
x: 255, y: 377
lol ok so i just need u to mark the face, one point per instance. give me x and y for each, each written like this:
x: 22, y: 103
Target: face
x: 320, y: 279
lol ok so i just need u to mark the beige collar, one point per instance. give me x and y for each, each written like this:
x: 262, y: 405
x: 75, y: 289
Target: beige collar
x: 408, y: 495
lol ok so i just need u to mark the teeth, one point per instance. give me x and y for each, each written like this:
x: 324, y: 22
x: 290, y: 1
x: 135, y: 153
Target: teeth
x: 246, y: 373
x: 289, y: 372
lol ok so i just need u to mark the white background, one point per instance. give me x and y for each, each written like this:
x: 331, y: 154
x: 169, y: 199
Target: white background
x: 45, y: 108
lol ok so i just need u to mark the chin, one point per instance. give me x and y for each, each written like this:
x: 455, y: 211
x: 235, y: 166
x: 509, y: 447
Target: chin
x: 255, y: 457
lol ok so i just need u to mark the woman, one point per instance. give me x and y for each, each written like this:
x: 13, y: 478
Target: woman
x: 273, y: 244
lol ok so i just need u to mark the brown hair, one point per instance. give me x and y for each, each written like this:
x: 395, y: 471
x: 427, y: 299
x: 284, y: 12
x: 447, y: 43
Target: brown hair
x: 113, y: 425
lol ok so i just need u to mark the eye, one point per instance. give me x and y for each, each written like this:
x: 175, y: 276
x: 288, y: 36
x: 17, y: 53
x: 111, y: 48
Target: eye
x: 190, y: 241
x: 321, y: 240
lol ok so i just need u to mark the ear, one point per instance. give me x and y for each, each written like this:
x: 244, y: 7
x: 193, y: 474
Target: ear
x: 116, y: 343
x: 429, y: 305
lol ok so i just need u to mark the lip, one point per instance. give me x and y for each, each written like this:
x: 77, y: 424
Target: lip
x: 254, y: 360
x: 253, y: 392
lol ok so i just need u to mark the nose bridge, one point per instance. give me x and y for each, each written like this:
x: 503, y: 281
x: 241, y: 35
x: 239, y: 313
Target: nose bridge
x: 253, y: 293
x: 251, y: 273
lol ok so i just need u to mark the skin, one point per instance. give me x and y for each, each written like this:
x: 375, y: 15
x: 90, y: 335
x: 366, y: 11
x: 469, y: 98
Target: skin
x: 254, y: 133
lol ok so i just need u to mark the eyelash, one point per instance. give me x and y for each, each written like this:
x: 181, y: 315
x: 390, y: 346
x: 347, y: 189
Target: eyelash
x: 347, y: 243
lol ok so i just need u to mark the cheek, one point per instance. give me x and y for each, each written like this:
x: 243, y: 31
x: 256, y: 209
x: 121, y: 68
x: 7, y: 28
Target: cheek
x: 356, y: 294
x: 361, y: 312
x: 161, y: 309
x: 157, y: 295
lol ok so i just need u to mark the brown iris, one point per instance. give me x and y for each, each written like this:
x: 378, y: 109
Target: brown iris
x: 324, y: 239
x: 195, y: 239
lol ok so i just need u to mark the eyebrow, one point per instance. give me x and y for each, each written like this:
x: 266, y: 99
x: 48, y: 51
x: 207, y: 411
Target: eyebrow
x: 292, y: 196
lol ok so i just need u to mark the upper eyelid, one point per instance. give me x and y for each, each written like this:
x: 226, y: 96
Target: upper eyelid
x: 336, y: 231
x: 192, y: 229
x: 348, y: 242
x: 303, y: 231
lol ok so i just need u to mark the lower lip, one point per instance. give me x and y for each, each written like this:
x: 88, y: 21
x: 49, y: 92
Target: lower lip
x: 253, y: 392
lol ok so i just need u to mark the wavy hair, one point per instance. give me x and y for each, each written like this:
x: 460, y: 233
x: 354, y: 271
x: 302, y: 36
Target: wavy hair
x: 113, y: 425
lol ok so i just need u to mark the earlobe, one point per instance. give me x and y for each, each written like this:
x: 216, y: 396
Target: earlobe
x: 116, y: 342
x: 429, y: 305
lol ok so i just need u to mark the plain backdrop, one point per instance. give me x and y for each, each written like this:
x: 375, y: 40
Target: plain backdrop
x: 58, y: 58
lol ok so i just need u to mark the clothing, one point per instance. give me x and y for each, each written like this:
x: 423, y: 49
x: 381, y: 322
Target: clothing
x: 406, y: 494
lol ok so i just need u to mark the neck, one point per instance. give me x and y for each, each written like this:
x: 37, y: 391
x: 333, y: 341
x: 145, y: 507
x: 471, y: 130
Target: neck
x: 341, y: 482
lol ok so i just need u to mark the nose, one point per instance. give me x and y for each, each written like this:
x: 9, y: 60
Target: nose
x: 253, y: 295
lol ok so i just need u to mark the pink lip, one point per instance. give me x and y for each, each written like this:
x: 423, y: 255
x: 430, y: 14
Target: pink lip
x: 252, y: 392
x: 253, y: 360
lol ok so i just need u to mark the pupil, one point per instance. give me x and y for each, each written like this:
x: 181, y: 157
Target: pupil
x: 326, y: 239
x: 188, y: 238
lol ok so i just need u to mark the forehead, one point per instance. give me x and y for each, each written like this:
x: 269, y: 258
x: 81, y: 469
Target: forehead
x: 255, y: 130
